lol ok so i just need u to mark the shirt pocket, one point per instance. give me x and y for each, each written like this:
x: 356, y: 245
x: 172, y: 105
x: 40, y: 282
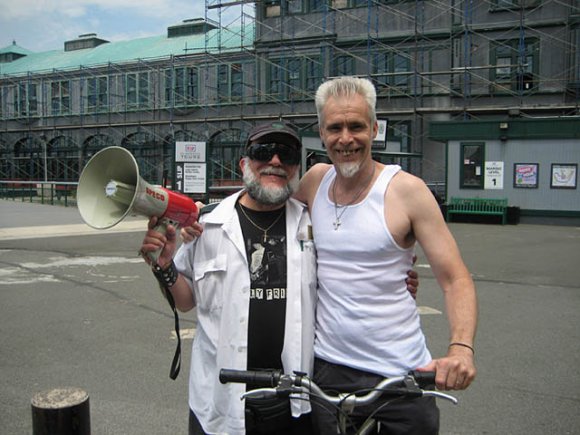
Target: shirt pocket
x: 209, y: 277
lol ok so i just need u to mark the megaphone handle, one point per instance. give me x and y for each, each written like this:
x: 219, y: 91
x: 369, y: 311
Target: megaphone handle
x: 161, y: 227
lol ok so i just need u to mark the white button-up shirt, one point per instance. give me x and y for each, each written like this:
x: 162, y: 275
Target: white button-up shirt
x: 216, y: 267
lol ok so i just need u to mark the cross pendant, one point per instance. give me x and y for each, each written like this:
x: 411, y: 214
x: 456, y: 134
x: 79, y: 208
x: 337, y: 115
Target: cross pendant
x: 336, y: 224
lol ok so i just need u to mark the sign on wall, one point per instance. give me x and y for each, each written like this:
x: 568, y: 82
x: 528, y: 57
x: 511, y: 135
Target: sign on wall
x: 380, y: 142
x: 190, y: 167
x: 190, y: 152
x: 493, y: 175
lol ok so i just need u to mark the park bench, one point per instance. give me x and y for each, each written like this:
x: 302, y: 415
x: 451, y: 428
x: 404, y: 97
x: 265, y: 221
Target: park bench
x: 478, y: 206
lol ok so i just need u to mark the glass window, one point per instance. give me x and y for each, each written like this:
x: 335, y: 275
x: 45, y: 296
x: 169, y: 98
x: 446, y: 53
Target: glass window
x: 168, y: 87
x: 516, y: 64
x: 131, y: 90
x: 315, y: 5
x: 276, y: 77
x: 26, y: 99
x: 60, y: 97
x: 192, y: 85
x: 392, y: 69
x: 143, y: 89
x: 230, y: 82
x: 295, y: 78
x: 97, y: 94
x: 344, y: 65
x: 237, y: 81
x: 222, y: 81
x: 137, y: 89
x: 294, y: 6
x: 472, y: 160
x: 313, y: 74
x: 401, y: 67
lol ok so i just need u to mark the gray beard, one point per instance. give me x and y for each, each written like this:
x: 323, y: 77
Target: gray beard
x: 268, y: 195
x: 348, y: 170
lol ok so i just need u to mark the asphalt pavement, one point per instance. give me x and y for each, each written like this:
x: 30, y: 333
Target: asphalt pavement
x: 79, y: 308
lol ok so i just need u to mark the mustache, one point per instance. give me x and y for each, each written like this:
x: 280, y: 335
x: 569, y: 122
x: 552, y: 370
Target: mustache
x: 274, y: 171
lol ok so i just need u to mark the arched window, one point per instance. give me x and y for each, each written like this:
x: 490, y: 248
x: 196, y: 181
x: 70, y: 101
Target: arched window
x: 148, y: 153
x: 94, y: 144
x: 5, y: 162
x: 224, y: 151
x: 63, y: 157
x: 29, y: 159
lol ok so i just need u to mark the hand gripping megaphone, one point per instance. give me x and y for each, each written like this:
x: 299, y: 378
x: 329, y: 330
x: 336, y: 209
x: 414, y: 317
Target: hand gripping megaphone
x: 110, y: 187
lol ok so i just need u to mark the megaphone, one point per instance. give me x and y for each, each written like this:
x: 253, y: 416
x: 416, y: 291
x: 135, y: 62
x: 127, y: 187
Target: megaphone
x: 110, y: 187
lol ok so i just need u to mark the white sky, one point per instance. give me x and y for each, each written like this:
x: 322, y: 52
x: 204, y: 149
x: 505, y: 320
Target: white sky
x: 42, y: 25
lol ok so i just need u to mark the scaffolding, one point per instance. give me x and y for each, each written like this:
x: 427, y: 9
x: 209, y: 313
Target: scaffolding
x: 429, y: 59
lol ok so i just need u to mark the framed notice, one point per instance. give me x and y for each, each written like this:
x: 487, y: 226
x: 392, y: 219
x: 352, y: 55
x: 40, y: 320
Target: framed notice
x: 526, y: 175
x: 564, y: 175
x: 493, y: 175
x: 380, y: 142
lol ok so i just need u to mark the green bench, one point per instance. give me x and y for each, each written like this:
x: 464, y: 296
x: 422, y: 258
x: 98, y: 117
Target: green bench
x: 478, y: 206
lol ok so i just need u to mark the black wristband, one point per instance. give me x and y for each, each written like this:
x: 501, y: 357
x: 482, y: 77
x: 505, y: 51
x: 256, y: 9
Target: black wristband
x: 463, y: 345
x: 166, y: 277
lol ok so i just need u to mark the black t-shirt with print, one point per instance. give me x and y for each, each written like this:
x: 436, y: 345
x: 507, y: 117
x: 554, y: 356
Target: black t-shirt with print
x: 267, y: 266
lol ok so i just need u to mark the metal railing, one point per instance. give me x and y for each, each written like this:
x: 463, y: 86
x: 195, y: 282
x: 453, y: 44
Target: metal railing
x: 41, y: 192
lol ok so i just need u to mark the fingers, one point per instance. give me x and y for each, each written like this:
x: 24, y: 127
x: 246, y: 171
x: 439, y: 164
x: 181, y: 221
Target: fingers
x: 155, y: 240
x: 412, y: 282
x: 454, y: 373
x: 152, y: 222
x: 188, y: 234
x: 412, y: 289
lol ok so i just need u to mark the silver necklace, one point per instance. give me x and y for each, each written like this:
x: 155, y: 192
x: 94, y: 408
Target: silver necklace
x: 337, y: 223
x: 264, y: 230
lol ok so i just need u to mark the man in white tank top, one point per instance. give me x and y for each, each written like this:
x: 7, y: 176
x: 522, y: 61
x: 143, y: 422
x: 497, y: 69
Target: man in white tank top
x: 367, y: 218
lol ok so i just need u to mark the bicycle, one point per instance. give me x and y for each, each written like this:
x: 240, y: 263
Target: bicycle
x: 275, y: 383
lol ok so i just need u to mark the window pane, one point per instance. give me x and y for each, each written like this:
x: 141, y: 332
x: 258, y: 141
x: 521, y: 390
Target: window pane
x: 472, y: 166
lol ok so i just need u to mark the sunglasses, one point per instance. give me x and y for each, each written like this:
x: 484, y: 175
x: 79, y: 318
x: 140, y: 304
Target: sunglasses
x: 263, y: 152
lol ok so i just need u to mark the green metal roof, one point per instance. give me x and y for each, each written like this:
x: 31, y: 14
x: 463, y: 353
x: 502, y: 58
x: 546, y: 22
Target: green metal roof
x: 14, y: 48
x: 229, y: 39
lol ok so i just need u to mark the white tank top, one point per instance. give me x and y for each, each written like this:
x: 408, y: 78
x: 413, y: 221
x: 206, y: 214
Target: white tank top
x: 365, y: 317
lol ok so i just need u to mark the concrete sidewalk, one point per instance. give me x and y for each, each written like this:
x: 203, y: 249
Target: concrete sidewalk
x: 80, y: 308
x: 24, y: 220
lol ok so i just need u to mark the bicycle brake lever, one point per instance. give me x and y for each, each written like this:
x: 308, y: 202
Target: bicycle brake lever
x: 260, y: 393
x: 441, y: 395
x: 267, y: 393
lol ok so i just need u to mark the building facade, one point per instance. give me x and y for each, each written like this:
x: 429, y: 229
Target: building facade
x: 211, y: 80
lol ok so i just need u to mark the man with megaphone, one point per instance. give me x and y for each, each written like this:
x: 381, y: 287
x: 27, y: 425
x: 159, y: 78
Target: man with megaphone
x: 252, y: 277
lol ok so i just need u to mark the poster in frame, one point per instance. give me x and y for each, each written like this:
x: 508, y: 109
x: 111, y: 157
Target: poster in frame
x: 564, y: 176
x: 526, y: 175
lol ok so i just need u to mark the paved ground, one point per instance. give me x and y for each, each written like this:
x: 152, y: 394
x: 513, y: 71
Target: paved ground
x: 79, y: 308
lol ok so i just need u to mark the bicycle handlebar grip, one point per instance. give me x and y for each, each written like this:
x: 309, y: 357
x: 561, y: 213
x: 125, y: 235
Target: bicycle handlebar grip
x: 423, y: 379
x: 255, y: 378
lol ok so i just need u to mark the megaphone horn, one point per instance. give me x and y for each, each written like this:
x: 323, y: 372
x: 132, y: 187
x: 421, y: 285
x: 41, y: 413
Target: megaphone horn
x: 110, y: 187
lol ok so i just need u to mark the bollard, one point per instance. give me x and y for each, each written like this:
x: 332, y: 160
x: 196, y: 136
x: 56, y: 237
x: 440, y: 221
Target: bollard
x: 61, y: 411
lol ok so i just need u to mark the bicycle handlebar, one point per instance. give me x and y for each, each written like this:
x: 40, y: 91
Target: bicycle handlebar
x: 274, y: 383
x: 423, y: 379
x: 265, y: 378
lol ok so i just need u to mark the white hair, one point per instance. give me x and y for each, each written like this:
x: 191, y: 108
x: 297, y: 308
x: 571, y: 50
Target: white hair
x: 346, y: 86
